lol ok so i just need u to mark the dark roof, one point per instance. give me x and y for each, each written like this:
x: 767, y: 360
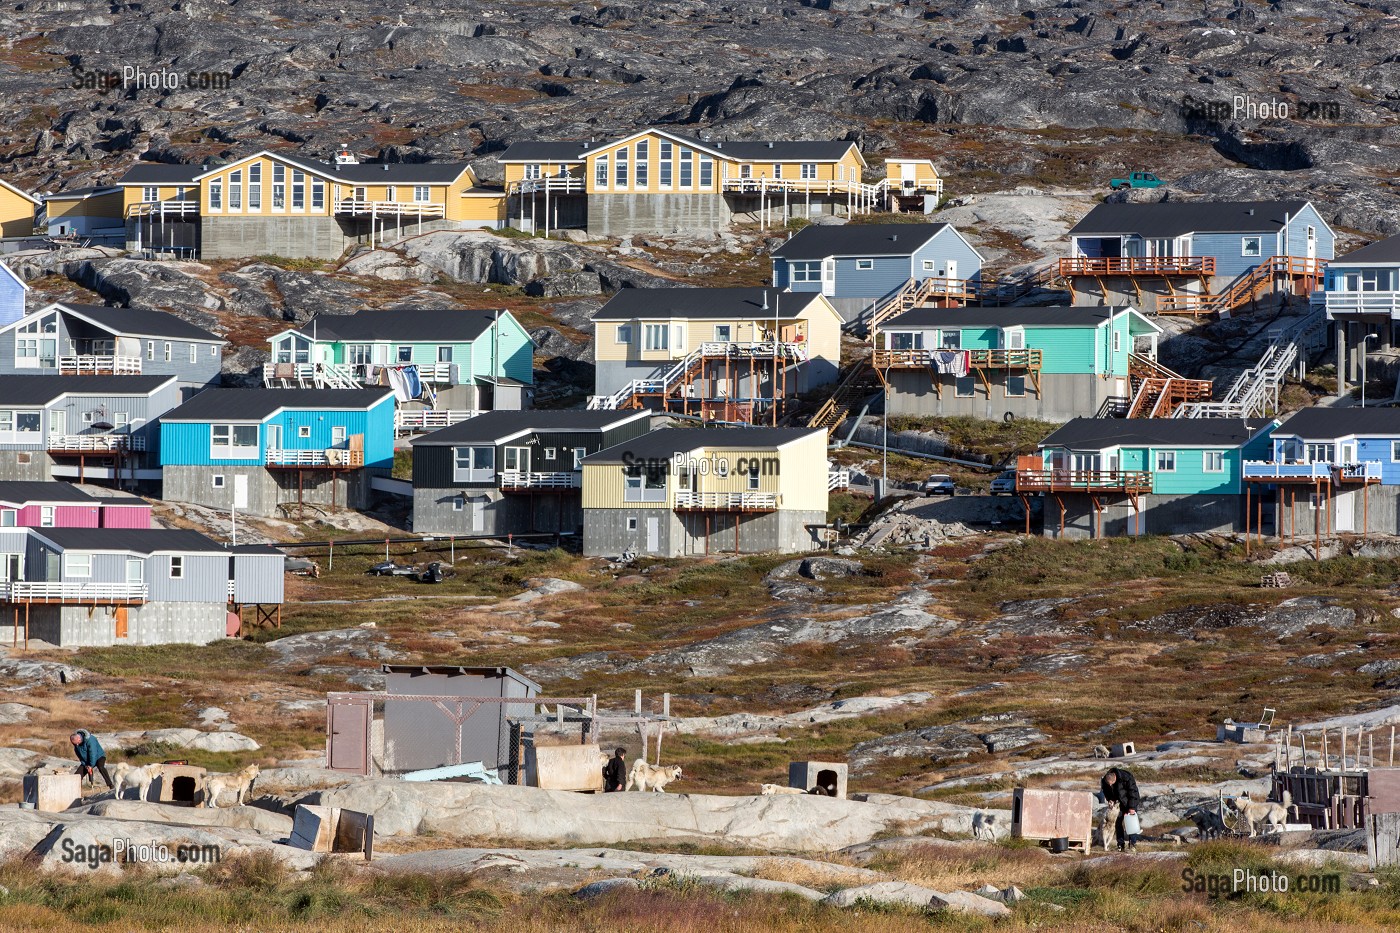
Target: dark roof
x: 1175, y: 218
x: 1098, y: 433
x: 1387, y: 250
x: 140, y: 322
x: 451, y: 670
x: 81, y: 192
x: 431, y: 324
x: 820, y: 240
x: 659, y: 445
x: 739, y: 303
x: 1331, y: 423
x: 494, y: 426
x: 256, y: 549
x: 532, y: 150
x: 1076, y: 316
x: 40, y: 390
x: 140, y: 540
x: 425, y: 173
x: 574, y: 150
x: 257, y: 404
x: 159, y: 173
x: 18, y: 492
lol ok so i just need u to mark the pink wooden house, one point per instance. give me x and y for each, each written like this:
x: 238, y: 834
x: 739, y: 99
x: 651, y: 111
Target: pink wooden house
x: 26, y: 504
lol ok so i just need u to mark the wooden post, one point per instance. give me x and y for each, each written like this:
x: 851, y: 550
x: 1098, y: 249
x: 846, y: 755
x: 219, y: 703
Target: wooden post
x: 1392, y: 746
x: 1324, y: 749
x: 1371, y: 751
x: 1246, y: 518
x: 1288, y: 755
x: 1303, y: 746
x: 1344, y: 749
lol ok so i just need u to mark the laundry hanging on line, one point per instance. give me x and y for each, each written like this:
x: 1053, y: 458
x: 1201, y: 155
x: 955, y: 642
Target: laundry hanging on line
x: 954, y: 362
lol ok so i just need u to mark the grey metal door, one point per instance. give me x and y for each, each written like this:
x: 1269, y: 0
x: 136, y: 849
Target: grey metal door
x: 347, y: 734
x: 653, y: 534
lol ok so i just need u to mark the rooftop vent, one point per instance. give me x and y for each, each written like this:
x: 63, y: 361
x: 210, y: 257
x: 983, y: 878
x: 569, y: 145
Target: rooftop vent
x: 1251, y: 212
x: 770, y: 144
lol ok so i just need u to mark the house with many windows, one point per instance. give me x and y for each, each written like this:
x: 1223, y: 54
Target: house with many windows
x: 85, y: 427
x: 688, y: 491
x: 1053, y: 364
x: 296, y: 206
x: 1329, y: 471
x: 81, y: 586
x: 68, y: 339
x: 512, y: 472
x: 657, y: 181
x: 26, y: 504
x: 1196, y: 257
x: 271, y: 452
x: 17, y: 208
x: 858, y: 265
x: 725, y: 354
x: 461, y: 362
x: 1361, y: 294
x: 1105, y: 477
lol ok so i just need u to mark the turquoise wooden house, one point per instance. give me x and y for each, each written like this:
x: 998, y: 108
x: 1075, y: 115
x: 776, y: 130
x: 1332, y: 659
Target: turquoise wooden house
x: 468, y: 361
x: 274, y: 451
x: 1105, y: 477
x: 1053, y: 364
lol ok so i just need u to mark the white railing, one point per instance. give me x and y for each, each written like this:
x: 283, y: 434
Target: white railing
x: 1256, y: 390
x: 755, y: 350
x: 730, y: 501
x: 310, y: 375
x: 281, y: 456
x: 804, y: 185
x: 97, y: 442
x: 99, y: 365
x: 519, y: 479
x: 427, y: 372
x: 838, y: 479
x: 71, y: 591
x: 1364, y: 470
x: 562, y: 184
x: 160, y: 209
x: 1268, y: 469
x: 409, y: 422
x: 912, y: 186
x: 387, y: 208
x: 662, y: 384
x: 1339, y: 302
x: 231, y: 587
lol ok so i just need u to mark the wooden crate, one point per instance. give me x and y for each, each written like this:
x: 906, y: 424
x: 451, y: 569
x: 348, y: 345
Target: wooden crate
x: 1053, y: 814
x: 334, y: 830
x: 53, y: 793
x: 565, y: 767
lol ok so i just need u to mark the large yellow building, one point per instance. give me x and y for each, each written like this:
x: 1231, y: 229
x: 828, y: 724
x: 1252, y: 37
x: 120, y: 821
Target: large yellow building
x: 16, y: 211
x: 274, y: 203
x: 655, y: 181
x: 693, y: 491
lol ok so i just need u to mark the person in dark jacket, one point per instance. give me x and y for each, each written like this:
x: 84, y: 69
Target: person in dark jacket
x: 1119, y: 786
x: 615, y: 771
x: 91, y: 757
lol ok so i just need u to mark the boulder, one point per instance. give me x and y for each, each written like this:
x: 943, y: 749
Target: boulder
x: 180, y: 738
x: 175, y: 287
x: 757, y: 886
x: 253, y: 818
x: 12, y: 713
x: 478, y: 256
x: 606, y: 886
x: 568, y: 283
x: 92, y: 838
x: 25, y: 672
x: 390, y: 266
x: 541, y: 587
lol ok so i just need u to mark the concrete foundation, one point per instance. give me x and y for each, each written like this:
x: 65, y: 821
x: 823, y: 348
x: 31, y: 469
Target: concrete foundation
x: 663, y: 533
x: 491, y: 512
x: 1062, y: 396
x: 155, y: 623
x: 565, y: 212
x: 628, y: 214
x: 1160, y: 515
x: 25, y: 465
x: 1345, y: 509
x: 224, y: 237
x: 271, y: 493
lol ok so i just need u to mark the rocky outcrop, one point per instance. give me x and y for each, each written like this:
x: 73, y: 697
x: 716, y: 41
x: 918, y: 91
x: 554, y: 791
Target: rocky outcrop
x: 477, y: 256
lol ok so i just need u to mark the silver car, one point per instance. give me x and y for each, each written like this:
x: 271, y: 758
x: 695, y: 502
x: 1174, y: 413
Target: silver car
x: 1004, y: 484
x: 939, y: 484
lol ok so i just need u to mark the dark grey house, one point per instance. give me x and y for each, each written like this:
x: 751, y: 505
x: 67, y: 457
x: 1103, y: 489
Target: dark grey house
x: 512, y: 472
x: 76, y: 339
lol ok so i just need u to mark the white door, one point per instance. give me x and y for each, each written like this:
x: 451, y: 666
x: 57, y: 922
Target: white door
x: 135, y: 571
x: 58, y: 422
x: 1312, y: 242
x: 1348, y: 453
x: 240, y: 491
x: 1345, y: 518
x: 274, y: 436
x: 11, y: 567
x: 1015, y: 339
x: 952, y: 268
x: 478, y: 506
x: 828, y: 277
x: 653, y: 534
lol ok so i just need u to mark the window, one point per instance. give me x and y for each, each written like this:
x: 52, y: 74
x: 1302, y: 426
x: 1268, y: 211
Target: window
x: 20, y: 421
x: 213, y: 351
x: 177, y: 566
x: 150, y: 349
x: 1320, y: 453
x: 667, y: 152
x: 318, y: 195
x: 904, y: 340
x: 643, y: 485
x: 1251, y: 246
x: 216, y: 195
x: 279, y: 187
x: 27, y: 348
x: 473, y: 464
x: 746, y: 171
x: 1213, y: 461
x: 8, y: 518
x: 421, y: 194
x: 168, y: 349
x: 965, y: 386
x: 642, y: 169
x: 517, y: 459
x: 809, y: 170
x: 194, y: 353
x: 299, y: 191
x: 752, y: 480
x: 687, y: 169
x: 405, y: 354
x: 707, y: 172
x: 459, y: 503
x: 338, y: 435
x: 1015, y: 386
x: 304, y: 430
x: 532, y: 171
x: 952, y: 339
x: 121, y: 419
x: 360, y: 194
x: 77, y: 565
x: 806, y: 271
x: 620, y: 169
x: 929, y: 265
x: 46, y: 516
x: 444, y: 354
x: 777, y: 170
x: 357, y: 353
x: 233, y: 441
x: 217, y: 481
x: 624, y: 333
x: 1166, y: 461
x: 235, y: 191
x: 1314, y: 501
x: 1395, y: 451
x: 724, y: 333
x: 255, y: 187
x: 865, y: 264
x: 1117, y: 342
x: 150, y: 194
x: 600, y: 172
x: 631, y: 524
x: 550, y: 453
x: 656, y: 337
x: 579, y: 454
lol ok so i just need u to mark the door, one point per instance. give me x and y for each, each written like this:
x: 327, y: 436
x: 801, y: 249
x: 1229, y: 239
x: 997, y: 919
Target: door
x: 11, y: 567
x: 1348, y: 453
x: 274, y: 436
x: 653, y: 534
x: 119, y: 616
x: 58, y: 423
x: 828, y: 277
x: 347, y: 734
x: 240, y: 491
x: 478, y: 507
x: 1015, y: 339
x: 952, y: 269
x: 135, y: 571
x: 1312, y: 242
x: 1345, y: 506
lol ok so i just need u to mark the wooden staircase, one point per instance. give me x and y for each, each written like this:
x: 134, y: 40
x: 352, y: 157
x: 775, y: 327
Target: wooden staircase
x: 1246, y: 288
x: 1158, y: 392
x: 860, y: 383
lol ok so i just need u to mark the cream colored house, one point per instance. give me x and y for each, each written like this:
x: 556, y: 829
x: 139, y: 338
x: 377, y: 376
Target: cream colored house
x: 694, y: 491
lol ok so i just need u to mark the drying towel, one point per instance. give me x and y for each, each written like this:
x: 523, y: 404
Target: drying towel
x: 415, y: 385
x: 950, y: 361
x: 399, y: 383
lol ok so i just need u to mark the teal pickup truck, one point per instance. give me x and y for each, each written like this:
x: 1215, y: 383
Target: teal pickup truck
x: 1136, y: 180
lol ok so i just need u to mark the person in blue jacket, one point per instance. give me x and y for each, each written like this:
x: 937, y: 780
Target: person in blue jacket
x: 91, y: 757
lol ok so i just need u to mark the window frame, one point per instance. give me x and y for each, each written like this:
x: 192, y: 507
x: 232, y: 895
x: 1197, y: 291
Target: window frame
x: 970, y: 382
x: 1208, y: 457
x: 177, y: 566
x: 1010, y: 378
x: 1258, y: 249
x: 1164, y: 461
x: 623, y: 334
x: 865, y: 265
x: 81, y: 569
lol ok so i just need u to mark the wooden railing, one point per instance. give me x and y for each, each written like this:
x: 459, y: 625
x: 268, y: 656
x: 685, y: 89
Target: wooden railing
x: 1138, y: 265
x: 1246, y: 288
x: 727, y: 501
x: 331, y: 457
x: 72, y: 591
x: 99, y: 365
x: 1055, y: 480
x: 1029, y: 358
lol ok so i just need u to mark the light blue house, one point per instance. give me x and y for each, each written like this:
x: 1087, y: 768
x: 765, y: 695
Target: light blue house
x: 12, y: 292
x: 854, y: 265
x: 268, y: 451
x: 1197, y: 257
x: 1104, y: 476
x: 1361, y: 293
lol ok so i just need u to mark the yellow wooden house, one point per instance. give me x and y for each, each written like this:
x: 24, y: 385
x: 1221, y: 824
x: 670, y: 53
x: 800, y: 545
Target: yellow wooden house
x: 694, y: 491
x: 85, y: 212
x: 16, y: 211
x: 913, y: 184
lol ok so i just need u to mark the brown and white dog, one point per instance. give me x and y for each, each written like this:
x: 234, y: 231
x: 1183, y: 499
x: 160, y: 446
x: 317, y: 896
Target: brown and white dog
x: 644, y: 776
x: 239, y: 783
x: 124, y: 775
x: 1108, y: 820
x: 1272, y: 815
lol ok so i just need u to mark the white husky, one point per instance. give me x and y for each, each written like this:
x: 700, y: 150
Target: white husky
x: 645, y: 776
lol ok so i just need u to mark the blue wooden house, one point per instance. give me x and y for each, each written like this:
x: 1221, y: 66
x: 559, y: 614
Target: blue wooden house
x: 1330, y: 470
x: 855, y: 265
x: 268, y: 451
x: 12, y: 292
x: 1197, y: 257
x: 1361, y: 293
x: 1105, y: 477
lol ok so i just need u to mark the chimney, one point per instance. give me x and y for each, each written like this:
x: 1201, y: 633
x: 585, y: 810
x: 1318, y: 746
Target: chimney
x: 770, y: 144
x: 894, y: 237
x: 386, y: 166
x: 765, y: 299
x: 719, y: 145
x: 1251, y: 212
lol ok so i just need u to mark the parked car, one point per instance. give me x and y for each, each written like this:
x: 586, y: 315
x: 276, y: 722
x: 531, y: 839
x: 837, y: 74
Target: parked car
x: 939, y: 484
x: 1004, y: 484
x: 1136, y: 180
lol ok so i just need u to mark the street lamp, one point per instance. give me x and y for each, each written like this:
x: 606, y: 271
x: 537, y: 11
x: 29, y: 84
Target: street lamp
x: 1363, y: 365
